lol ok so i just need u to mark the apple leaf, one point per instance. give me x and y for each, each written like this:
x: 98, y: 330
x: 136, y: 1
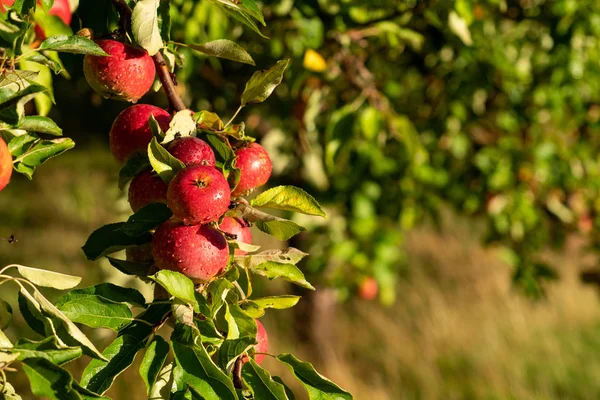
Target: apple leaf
x: 290, y: 255
x: 288, y: 272
x: 107, y: 291
x: 317, y: 386
x: 288, y: 198
x: 47, y: 348
x: 240, y: 13
x: 49, y: 380
x: 95, y: 311
x: 130, y: 267
x: 232, y: 349
x: 280, y: 228
x: 40, y: 124
x: 110, y: 239
x: 72, y: 44
x: 178, y: 285
x: 41, y: 152
x: 5, y: 314
x: 165, y: 165
x: 256, y: 307
x: 224, y: 48
x: 146, y: 218
x: 182, y: 124
x: 50, y: 279
x: 133, y: 166
x: 144, y: 25
x: 261, y: 384
x: 262, y: 83
x: 153, y: 361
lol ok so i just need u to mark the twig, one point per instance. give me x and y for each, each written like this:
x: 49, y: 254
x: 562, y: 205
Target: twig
x: 161, y: 66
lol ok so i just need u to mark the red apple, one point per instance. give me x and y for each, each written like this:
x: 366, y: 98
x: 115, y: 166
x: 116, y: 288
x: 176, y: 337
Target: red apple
x: 237, y: 227
x: 126, y: 74
x: 62, y: 10
x: 200, y: 252
x: 146, y: 188
x: 6, y: 164
x: 198, y: 195
x: 255, y: 168
x: 131, y: 133
x: 191, y: 151
x: 262, y: 345
x: 368, y: 289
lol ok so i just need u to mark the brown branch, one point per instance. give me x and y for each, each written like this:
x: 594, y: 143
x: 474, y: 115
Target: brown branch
x: 162, y: 69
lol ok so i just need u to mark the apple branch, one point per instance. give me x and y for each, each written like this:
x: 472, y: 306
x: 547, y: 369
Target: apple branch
x: 162, y: 70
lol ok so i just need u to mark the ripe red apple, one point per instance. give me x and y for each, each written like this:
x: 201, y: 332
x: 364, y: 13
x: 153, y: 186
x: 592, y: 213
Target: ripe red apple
x: 191, y: 151
x: 126, y: 74
x: 200, y: 252
x: 255, y: 168
x: 237, y: 227
x: 262, y: 345
x: 146, y: 188
x: 6, y: 164
x: 131, y: 133
x: 368, y: 288
x: 198, y: 195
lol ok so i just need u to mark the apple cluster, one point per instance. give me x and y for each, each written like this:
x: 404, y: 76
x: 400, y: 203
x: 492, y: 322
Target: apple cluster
x: 194, y: 241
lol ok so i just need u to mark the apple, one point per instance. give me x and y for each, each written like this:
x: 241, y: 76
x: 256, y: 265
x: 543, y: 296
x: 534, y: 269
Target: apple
x: 126, y: 74
x: 191, y: 151
x: 200, y: 252
x: 237, y: 227
x: 6, y: 164
x: 131, y: 133
x: 255, y: 168
x: 198, y: 195
x: 368, y: 288
x: 146, y: 188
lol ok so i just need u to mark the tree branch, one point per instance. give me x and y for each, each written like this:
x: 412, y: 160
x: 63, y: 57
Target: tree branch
x: 162, y: 69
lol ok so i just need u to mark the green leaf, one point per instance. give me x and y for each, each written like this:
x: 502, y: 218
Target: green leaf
x: 9, y: 392
x: 242, y: 14
x: 99, y: 375
x: 39, y: 124
x: 155, y: 128
x: 177, y: 284
x: 48, y: 349
x: 164, y: 22
x: 130, y: 267
x: 49, y: 380
x: 72, y: 44
x: 42, y: 277
x: 16, y: 84
x: 195, y: 368
x: 153, y: 361
x: 5, y: 341
x: 218, y: 290
x: 288, y: 391
x: 288, y: 198
x: 255, y: 307
x: 223, y: 48
x: 41, y: 152
x: 133, y: 166
x: 238, y: 322
x: 161, y: 390
x: 95, y: 311
x: 288, y: 272
x: 52, y: 25
x: 182, y: 124
x: 290, y: 255
x: 281, y: 228
x: 32, y: 313
x: 165, y: 165
x: 144, y: 25
x: 109, y: 239
x: 230, y: 350
x: 147, y: 218
x: 260, y: 383
x: 56, y: 67
x: 108, y: 291
x: 5, y: 314
x: 262, y: 83
x: 317, y: 386
x: 252, y: 9
x: 223, y: 152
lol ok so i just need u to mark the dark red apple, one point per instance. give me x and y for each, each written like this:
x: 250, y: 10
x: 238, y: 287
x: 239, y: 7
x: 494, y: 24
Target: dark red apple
x: 368, y: 288
x: 255, y: 168
x: 237, y: 227
x: 146, y: 188
x: 126, y: 74
x: 131, y: 133
x: 200, y: 252
x: 198, y: 195
x: 191, y: 151
x: 6, y: 164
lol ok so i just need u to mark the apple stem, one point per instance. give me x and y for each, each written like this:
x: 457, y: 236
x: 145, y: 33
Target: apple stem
x: 164, y: 74
x: 232, y: 118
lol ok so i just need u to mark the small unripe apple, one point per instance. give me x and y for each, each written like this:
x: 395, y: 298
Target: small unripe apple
x: 6, y: 164
x: 200, y: 252
x: 126, y: 74
x: 198, y: 195
x: 191, y: 151
x: 368, y: 289
x: 146, y: 188
x: 131, y: 133
x: 237, y: 227
x: 262, y: 345
x: 255, y: 168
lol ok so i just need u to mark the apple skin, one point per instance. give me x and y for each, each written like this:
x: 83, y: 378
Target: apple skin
x: 262, y: 345
x: 198, y: 195
x: 191, y: 151
x: 131, y: 133
x: 146, y: 188
x: 255, y: 168
x: 126, y: 74
x: 237, y: 226
x: 6, y: 164
x: 200, y: 252
x: 368, y: 289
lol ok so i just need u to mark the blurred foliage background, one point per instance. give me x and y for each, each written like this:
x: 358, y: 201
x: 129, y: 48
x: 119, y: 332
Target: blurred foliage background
x: 454, y: 145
